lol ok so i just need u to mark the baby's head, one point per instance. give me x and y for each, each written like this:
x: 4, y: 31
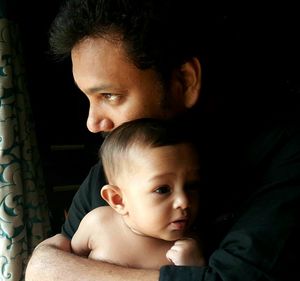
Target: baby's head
x: 136, y: 135
x: 153, y: 177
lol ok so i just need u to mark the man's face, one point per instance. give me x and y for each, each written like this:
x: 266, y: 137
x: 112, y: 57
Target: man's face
x: 116, y: 89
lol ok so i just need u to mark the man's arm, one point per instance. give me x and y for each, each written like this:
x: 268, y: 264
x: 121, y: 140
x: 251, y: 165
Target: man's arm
x: 52, y: 260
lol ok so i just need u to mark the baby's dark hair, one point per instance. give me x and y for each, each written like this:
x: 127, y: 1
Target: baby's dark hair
x: 144, y: 132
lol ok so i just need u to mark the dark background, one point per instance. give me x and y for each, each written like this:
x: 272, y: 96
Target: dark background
x: 67, y: 149
x: 254, y: 61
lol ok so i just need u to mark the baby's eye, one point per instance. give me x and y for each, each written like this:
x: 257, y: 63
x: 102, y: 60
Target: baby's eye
x: 163, y: 189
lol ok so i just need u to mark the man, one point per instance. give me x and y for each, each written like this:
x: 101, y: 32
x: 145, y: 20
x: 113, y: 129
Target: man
x: 137, y: 59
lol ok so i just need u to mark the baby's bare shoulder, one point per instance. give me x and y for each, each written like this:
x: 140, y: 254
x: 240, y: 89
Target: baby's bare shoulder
x: 104, y: 214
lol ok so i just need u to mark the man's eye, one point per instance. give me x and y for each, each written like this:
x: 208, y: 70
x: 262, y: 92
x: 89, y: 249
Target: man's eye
x: 163, y: 189
x: 110, y: 97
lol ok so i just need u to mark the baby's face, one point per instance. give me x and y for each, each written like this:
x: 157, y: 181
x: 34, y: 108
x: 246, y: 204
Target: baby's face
x: 161, y: 190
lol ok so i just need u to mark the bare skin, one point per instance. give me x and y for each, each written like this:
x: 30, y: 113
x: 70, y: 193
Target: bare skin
x: 60, y: 263
x: 151, y: 210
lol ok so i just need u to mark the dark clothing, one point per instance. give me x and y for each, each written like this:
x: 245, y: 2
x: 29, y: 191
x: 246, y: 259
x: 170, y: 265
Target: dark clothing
x: 86, y: 199
x: 250, y: 202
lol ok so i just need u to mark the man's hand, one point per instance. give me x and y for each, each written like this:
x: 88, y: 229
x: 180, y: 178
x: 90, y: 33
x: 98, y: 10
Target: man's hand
x: 186, y: 252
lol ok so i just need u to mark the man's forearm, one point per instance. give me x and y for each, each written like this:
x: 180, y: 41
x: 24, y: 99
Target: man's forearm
x: 48, y: 263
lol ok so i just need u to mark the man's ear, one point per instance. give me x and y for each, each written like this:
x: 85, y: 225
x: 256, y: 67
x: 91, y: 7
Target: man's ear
x: 113, y: 196
x: 190, y: 73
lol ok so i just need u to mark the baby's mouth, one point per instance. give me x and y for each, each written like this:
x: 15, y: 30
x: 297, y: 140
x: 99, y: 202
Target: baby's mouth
x: 180, y: 224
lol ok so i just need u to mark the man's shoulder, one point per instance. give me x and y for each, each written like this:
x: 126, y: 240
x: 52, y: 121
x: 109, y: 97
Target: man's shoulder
x: 95, y: 178
x: 89, y: 192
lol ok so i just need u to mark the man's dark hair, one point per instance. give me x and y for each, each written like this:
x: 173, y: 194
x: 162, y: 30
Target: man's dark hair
x: 157, y: 34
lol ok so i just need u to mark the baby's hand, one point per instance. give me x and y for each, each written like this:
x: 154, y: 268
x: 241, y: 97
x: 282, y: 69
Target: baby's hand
x: 186, y: 252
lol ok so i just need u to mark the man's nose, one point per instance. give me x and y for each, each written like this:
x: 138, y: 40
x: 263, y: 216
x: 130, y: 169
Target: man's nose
x: 97, y: 122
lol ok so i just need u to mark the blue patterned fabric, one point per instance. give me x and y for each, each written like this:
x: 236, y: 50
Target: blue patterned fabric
x: 24, y: 220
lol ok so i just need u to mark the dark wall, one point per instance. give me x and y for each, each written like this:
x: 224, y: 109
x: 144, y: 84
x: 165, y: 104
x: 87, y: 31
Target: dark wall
x: 67, y: 149
x: 59, y: 110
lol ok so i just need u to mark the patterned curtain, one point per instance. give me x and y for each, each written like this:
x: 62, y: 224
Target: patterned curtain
x: 24, y: 220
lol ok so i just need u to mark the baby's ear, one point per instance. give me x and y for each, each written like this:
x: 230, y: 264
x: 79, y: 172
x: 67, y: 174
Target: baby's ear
x: 113, y: 196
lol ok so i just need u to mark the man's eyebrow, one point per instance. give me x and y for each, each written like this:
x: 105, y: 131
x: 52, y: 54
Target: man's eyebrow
x: 96, y: 88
